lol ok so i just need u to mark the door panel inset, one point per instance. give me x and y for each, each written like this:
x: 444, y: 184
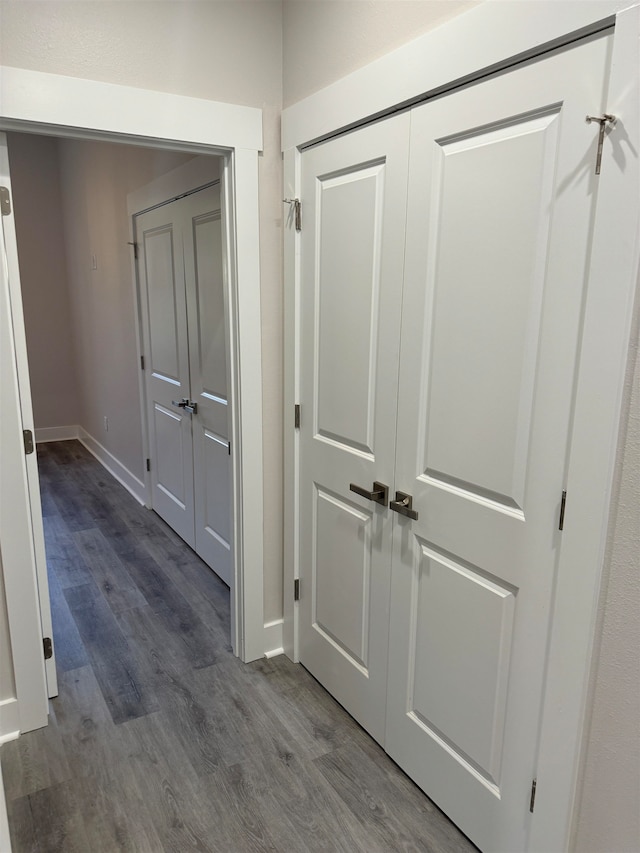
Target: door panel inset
x: 162, y: 302
x: 461, y: 631
x: 483, y: 314
x: 349, y: 220
x: 217, y: 521
x: 341, y: 575
x: 212, y: 344
x: 169, y: 450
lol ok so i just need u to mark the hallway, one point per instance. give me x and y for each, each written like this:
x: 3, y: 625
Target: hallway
x: 162, y: 740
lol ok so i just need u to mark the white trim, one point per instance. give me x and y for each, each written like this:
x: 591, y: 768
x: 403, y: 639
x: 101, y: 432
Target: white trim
x: 78, y: 104
x: 492, y: 34
x: 245, y: 344
x: 59, y: 433
x: 73, y: 107
x: 273, y: 639
x: 9, y: 720
x: 118, y: 471
x: 5, y: 837
x: 291, y: 277
x: 486, y: 36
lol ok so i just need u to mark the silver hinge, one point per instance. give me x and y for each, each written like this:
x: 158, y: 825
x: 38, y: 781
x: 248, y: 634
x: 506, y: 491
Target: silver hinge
x: 135, y: 249
x: 563, y: 504
x: 5, y: 201
x: 532, y: 801
x: 296, y: 589
x: 141, y: 362
x: 603, y: 120
x: 148, y: 464
x: 27, y: 437
x: 297, y: 215
x: 296, y: 416
x: 47, y: 645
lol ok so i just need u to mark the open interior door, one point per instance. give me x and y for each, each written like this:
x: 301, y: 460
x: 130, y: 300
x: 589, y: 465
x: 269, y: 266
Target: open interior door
x: 23, y: 554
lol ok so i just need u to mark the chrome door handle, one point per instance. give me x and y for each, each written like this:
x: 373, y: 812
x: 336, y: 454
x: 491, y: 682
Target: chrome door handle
x: 187, y: 405
x: 402, y: 505
x: 379, y: 493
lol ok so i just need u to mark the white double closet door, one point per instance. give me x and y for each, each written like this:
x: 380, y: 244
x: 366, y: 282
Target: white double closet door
x: 183, y: 318
x: 444, y: 259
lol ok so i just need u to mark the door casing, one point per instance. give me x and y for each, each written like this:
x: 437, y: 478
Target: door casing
x: 55, y: 105
x: 512, y: 32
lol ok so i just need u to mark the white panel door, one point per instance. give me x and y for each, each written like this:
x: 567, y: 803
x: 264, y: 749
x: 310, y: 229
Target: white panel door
x: 183, y: 309
x: 501, y: 198
x: 354, y: 198
x: 202, y: 236
x: 166, y: 345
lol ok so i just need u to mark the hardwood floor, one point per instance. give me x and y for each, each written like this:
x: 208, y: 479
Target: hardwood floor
x: 160, y: 739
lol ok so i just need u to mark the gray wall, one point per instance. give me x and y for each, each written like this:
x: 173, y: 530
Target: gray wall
x: 608, y: 814
x: 37, y: 203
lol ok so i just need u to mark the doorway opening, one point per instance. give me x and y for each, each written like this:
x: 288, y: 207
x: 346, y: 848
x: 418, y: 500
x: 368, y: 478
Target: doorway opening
x: 44, y: 104
x: 82, y: 312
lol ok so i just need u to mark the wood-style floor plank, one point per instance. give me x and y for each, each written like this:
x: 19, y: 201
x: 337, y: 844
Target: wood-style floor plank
x: 113, y: 663
x: 160, y: 739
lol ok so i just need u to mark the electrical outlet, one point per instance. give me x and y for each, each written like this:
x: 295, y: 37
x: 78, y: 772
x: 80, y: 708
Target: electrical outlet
x: 106, y: 424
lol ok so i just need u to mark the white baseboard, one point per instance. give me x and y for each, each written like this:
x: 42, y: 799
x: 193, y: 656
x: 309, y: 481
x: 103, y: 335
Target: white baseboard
x: 5, y: 838
x: 132, y: 484
x: 60, y: 433
x: 273, y: 639
x: 9, y: 721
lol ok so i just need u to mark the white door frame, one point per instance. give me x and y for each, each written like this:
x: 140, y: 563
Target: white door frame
x: 494, y: 34
x: 54, y: 105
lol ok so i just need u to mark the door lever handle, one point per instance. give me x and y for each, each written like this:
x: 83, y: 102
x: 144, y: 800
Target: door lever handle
x: 187, y: 405
x: 379, y: 493
x: 402, y: 505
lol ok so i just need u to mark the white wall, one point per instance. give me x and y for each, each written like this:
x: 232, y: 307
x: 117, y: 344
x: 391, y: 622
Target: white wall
x: 225, y: 51
x: 43, y: 272
x: 325, y: 40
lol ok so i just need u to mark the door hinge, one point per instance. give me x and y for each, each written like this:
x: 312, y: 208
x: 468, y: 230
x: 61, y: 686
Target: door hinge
x: 148, y: 464
x: 563, y: 504
x: 135, y: 249
x: 141, y: 362
x: 27, y: 437
x: 532, y: 801
x: 297, y: 215
x: 48, y: 648
x: 229, y: 443
x: 296, y: 589
x: 296, y: 416
x: 5, y: 201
